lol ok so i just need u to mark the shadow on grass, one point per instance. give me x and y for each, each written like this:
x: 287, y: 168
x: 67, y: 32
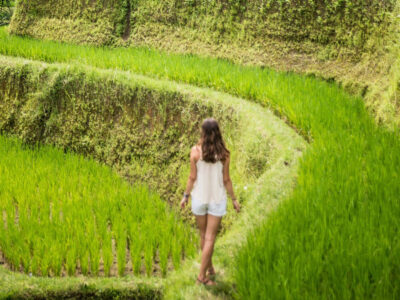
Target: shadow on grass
x: 222, y: 289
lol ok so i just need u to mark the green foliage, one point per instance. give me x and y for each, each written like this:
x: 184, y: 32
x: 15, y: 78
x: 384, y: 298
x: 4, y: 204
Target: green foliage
x: 336, y: 235
x: 58, y: 202
x: 348, y: 179
x: 6, y: 12
x: 7, y: 3
x: 125, y: 18
x: 81, y: 21
x: 346, y: 23
x: 342, y: 23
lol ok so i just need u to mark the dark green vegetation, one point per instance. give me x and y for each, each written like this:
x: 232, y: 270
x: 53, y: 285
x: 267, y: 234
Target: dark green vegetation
x: 352, y: 41
x: 6, y: 11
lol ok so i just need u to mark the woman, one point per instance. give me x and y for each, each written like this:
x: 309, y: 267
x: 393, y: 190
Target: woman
x: 209, y: 178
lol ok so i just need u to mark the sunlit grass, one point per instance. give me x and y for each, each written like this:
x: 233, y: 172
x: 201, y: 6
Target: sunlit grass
x: 61, y: 212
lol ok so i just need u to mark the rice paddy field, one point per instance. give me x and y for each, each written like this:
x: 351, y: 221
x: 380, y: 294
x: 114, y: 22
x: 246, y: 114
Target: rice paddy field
x: 334, y: 236
x: 265, y: 152
x: 68, y: 214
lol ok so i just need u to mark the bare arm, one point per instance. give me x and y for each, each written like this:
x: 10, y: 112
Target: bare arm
x: 194, y: 156
x: 228, y: 184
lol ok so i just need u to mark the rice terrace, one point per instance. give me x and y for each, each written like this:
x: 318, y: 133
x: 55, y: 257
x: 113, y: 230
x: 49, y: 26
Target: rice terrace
x: 101, y: 103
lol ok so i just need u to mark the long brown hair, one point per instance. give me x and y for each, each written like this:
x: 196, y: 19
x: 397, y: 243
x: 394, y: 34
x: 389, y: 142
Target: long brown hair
x: 212, y: 144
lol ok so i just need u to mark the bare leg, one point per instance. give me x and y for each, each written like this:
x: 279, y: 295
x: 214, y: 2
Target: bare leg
x: 202, y: 225
x: 209, y: 240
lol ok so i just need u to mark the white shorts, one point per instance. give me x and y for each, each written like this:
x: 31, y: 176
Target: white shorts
x: 215, y: 209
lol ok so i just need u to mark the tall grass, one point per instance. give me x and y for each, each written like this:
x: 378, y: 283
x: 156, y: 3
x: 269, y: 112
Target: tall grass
x: 61, y: 212
x: 337, y: 235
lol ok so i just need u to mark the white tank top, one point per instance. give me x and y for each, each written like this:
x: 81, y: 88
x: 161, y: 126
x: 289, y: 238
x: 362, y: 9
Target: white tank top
x: 209, y: 185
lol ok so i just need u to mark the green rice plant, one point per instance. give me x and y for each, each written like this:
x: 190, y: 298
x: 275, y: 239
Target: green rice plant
x: 14, y: 259
x: 26, y: 261
x: 176, y: 253
x: 135, y: 247
x: 10, y: 213
x: 189, y: 244
x: 45, y: 265
x: 107, y: 253
x: 71, y: 262
x: 56, y: 260
x: 148, y: 259
x: 121, y: 253
x: 84, y: 263
x: 35, y: 265
x: 47, y: 227
x: 163, y: 253
x: 94, y: 257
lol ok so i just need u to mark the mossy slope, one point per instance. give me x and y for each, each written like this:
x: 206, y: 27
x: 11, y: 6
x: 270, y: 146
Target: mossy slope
x: 143, y: 132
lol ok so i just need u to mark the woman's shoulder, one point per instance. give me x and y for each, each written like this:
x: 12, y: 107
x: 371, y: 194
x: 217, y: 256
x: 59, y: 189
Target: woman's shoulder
x: 195, y: 152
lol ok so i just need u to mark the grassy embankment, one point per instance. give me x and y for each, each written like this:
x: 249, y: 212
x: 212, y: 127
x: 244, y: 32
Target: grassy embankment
x: 336, y: 235
x: 41, y: 102
x: 15, y: 285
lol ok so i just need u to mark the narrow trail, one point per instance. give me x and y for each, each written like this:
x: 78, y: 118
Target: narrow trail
x: 273, y: 186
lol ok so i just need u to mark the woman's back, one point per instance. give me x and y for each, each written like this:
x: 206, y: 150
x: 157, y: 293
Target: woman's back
x: 209, y: 185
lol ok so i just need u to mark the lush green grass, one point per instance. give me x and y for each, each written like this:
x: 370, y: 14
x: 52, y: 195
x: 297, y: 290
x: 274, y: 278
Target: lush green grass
x: 62, y: 199
x: 337, y: 235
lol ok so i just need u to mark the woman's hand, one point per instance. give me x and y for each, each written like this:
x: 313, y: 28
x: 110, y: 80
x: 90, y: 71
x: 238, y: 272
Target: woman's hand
x: 236, y: 205
x: 184, y: 201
